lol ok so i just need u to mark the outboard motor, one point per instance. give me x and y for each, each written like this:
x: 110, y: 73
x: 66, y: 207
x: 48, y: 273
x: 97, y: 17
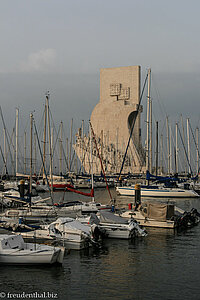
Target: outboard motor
x: 186, y: 186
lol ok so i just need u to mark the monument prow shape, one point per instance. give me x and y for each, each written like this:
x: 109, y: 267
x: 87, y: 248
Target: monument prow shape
x: 113, y: 116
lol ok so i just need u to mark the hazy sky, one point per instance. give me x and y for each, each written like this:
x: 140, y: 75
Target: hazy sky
x: 60, y: 46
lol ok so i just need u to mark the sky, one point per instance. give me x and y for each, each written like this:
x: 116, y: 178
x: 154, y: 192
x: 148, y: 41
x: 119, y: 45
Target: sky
x: 60, y: 45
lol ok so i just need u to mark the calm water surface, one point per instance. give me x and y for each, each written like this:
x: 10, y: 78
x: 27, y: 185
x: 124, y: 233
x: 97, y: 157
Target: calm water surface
x: 164, y: 265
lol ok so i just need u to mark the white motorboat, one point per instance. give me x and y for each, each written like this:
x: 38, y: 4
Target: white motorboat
x: 162, y: 215
x: 118, y: 227
x: 72, y: 233
x: 13, y: 250
x: 157, y: 191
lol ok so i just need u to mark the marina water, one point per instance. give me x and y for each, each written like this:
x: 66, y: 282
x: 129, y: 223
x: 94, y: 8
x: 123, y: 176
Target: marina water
x: 163, y: 265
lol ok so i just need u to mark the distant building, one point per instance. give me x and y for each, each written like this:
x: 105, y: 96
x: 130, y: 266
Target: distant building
x: 111, y: 120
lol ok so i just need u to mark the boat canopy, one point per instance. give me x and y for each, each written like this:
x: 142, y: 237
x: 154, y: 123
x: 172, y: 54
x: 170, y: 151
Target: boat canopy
x: 70, y: 223
x: 158, y: 211
x: 108, y: 217
x: 165, y: 179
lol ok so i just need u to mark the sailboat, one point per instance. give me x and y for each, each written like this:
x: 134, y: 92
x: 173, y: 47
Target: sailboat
x: 85, y: 207
x: 13, y: 250
x: 157, y: 191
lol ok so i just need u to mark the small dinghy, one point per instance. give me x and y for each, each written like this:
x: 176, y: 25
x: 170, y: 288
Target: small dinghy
x: 72, y: 233
x: 13, y: 250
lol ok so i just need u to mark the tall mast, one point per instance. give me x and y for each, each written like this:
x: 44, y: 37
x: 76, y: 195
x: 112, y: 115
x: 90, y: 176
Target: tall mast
x: 70, y: 148
x: 156, y: 148
x: 91, y: 161
x: 188, y: 141
x: 31, y: 151
x: 60, y: 164
x: 67, y: 154
x: 168, y: 147
x: 185, y: 160
x: 44, y: 139
x: 24, y: 152
x: 8, y: 142
x: 35, y: 153
x: 197, y: 142
x: 148, y: 109
x: 150, y: 137
x: 50, y: 148
x: 82, y: 145
x: 177, y: 148
x: 5, y: 155
x: 161, y: 154
x: 16, y: 141
x: 14, y: 150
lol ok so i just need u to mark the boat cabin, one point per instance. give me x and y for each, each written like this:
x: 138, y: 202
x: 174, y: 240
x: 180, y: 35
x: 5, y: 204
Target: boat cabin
x: 11, y: 242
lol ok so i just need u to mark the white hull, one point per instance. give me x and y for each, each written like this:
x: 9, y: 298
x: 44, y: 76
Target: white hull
x: 147, y: 222
x: 13, y: 250
x: 72, y: 242
x: 160, y: 192
x: 74, y: 245
x: 34, y: 258
x: 118, y: 232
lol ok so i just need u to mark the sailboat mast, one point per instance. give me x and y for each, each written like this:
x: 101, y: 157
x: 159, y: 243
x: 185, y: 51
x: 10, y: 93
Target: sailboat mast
x: 168, y: 147
x: 188, y: 141
x: 5, y: 155
x: 177, y: 148
x: 82, y: 145
x: 67, y: 154
x: 148, y: 110
x: 156, y: 148
x: 25, y: 152
x: 197, y: 142
x: 70, y: 147
x: 50, y: 149
x: 31, y: 151
x: 44, y: 139
x: 35, y: 153
x: 91, y: 162
x: 161, y: 154
x: 16, y: 141
x: 176, y: 153
x: 185, y: 160
x: 150, y: 137
x: 60, y: 165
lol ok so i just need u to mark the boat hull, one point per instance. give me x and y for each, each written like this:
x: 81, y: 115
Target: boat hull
x: 117, y: 233
x: 43, y: 257
x: 148, y: 222
x: 160, y: 193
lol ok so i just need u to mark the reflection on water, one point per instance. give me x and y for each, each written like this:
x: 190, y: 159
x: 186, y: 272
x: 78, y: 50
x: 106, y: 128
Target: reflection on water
x: 163, y: 265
